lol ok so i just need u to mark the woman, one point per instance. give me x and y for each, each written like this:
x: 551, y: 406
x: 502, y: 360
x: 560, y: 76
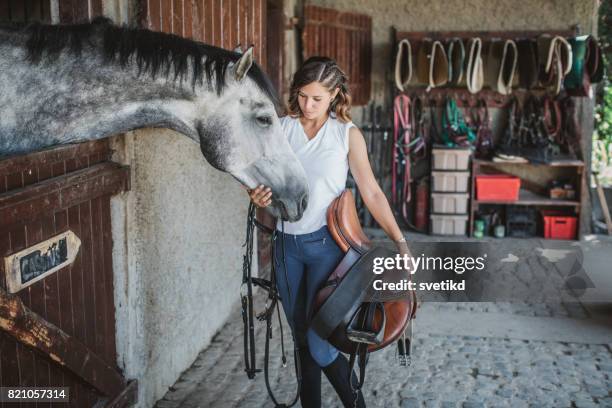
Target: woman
x: 328, y: 144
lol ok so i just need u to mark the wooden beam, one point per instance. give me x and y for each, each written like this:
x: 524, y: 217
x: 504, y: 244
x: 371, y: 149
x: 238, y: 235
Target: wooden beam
x: 32, y: 330
x: 53, y: 155
x: 603, y: 203
x: 62, y: 192
x: 435, y: 35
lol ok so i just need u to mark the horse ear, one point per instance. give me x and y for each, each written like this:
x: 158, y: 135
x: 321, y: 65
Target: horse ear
x: 243, y: 65
x: 238, y: 49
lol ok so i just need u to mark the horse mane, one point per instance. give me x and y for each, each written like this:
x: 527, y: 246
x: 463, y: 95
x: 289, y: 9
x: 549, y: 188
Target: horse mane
x: 155, y: 53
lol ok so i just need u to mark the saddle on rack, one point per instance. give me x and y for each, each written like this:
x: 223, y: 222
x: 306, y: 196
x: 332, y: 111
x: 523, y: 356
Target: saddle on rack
x: 347, y: 311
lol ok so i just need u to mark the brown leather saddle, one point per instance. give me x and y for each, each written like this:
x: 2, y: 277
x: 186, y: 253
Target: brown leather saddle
x: 346, y: 310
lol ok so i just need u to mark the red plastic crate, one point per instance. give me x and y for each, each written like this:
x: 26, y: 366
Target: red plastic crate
x: 559, y: 226
x: 497, y: 187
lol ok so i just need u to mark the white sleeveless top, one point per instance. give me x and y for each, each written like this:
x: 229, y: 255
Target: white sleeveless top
x: 325, y: 160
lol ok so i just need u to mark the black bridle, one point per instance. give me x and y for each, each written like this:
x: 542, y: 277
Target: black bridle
x: 248, y: 315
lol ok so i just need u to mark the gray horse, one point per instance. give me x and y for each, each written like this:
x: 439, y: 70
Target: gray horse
x: 72, y: 83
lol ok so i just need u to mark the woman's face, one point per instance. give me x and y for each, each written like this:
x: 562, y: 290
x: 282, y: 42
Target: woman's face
x: 314, y: 100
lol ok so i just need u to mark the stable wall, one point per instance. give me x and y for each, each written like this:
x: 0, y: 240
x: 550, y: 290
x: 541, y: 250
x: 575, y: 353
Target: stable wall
x: 177, y: 256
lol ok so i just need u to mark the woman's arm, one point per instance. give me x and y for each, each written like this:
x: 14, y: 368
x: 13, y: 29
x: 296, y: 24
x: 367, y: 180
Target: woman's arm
x: 374, y: 198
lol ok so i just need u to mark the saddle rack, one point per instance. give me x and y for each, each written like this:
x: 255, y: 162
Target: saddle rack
x: 459, y: 92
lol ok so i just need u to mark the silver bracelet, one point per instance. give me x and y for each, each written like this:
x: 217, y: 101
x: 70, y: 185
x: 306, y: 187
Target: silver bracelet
x: 401, y: 240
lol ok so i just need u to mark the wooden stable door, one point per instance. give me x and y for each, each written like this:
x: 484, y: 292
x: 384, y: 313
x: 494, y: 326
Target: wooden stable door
x: 57, y: 312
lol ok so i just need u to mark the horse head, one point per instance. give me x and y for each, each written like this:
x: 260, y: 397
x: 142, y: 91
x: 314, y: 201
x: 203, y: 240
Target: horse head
x: 242, y: 136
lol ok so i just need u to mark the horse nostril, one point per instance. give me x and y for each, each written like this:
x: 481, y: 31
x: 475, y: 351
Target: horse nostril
x: 303, y: 203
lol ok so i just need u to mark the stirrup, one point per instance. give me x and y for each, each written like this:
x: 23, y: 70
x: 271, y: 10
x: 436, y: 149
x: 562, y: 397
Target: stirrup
x: 364, y: 335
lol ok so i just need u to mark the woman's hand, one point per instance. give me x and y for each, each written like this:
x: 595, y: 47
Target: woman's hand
x: 261, y: 196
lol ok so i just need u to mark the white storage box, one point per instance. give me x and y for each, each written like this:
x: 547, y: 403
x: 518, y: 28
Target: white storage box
x: 450, y: 181
x: 448, y: 224
x: 451, y: 159
x: 450, y: 203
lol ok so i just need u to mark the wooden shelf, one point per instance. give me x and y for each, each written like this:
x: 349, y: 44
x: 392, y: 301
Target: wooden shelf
x: 527, y: 197
x: 533, y: 191
x: 485, y: 35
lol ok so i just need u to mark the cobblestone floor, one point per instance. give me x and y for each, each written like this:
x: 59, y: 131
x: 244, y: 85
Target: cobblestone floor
x: 447, y: 371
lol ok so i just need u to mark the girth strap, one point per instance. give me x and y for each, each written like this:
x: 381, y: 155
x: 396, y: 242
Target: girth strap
x: 403, y: 65
x: 555, y: 59
x: 432, y: 64
x: 474, y: 72
x: 456, y: 60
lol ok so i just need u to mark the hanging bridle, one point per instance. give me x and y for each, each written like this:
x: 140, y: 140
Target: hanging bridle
x: 248, y: 315
x: 402, y: 133
x: 481, y: 124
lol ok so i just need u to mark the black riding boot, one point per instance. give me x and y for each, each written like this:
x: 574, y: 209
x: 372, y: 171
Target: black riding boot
x: 338, y: 375
x: 310, y: 391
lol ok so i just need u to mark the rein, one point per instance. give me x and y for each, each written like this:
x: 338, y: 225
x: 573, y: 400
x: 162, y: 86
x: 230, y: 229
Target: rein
x: 248, y: 311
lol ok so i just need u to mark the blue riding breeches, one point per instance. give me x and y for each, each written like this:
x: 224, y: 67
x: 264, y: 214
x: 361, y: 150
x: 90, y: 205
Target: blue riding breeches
x: 310, y: 259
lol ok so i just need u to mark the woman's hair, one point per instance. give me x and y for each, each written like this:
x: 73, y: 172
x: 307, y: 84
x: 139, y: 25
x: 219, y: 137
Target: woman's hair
x: 325, y: 71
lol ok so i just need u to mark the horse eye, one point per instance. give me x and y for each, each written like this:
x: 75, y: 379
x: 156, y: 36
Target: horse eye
x: 264, y: 120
